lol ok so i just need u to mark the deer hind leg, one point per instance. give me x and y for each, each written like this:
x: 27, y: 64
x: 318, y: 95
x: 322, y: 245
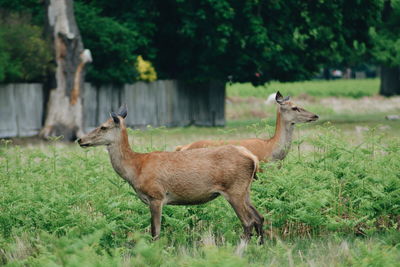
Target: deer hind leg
x: 155, y: 210
x: 243, y: 211
x: 258, y: 224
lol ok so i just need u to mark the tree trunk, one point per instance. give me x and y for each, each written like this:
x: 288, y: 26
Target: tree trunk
x: 390, y: 81
x: 64, y: 108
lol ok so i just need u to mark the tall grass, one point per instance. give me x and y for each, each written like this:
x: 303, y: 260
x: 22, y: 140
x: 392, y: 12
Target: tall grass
x: 317, y: 88
x: 66, y: 206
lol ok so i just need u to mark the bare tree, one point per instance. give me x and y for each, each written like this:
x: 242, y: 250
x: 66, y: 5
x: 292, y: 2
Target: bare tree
x: 64, y: 107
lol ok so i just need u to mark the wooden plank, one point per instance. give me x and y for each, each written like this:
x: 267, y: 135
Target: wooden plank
x: 90, y: 111
x: 170, y: 90
x: 217, y: 103
x: 182, y: 105
x: 128, y: 96
x: 152, y: 93
x: 104, y: 103
x: 139, y: 105
x: 200, y: 106
x: 163, y: 102
x: 28, y: 108
x: 8, y: 114
x: 158, y: 93
x: 116, y: 98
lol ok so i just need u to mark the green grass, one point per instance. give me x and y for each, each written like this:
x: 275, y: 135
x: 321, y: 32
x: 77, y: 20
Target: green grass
x: 331, y: 203
x: 317, y: 88
x: 167, y: 139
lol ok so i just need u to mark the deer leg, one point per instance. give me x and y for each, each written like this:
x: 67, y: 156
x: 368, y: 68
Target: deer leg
x: 244, y: 212
x: 155, y: 210
x: 258, y: 225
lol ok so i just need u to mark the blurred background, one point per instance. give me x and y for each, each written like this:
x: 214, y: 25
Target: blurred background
x: 64, y: 65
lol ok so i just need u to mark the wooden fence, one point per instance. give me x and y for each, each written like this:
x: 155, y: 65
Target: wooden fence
x: 21, y: 109
x: 162, y: 103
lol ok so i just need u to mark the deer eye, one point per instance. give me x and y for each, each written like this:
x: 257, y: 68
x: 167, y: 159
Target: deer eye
x: 103, y: 128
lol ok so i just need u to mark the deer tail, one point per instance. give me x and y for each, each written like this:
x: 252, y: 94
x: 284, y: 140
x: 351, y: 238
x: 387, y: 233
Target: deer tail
x: 250, y: 155
x: 178, y: 148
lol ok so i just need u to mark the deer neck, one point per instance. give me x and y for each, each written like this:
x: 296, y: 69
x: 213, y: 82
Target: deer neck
x: 282, y: 138
x: 122, y: 157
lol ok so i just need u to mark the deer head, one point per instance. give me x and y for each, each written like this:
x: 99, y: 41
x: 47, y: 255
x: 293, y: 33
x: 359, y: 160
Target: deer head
x: 291, y: 112
x: 108, y: 132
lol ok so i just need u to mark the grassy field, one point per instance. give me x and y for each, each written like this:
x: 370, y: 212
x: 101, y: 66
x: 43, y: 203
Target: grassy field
x: 331, y: 204
x: 317, y: 88
x: 334, y: 201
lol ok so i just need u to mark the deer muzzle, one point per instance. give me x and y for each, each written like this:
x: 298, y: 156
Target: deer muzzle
x: 81, y: 143
x: 314, y: 118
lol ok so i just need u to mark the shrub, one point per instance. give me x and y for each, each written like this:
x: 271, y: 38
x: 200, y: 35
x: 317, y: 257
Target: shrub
x: 145, y: 70
x: 24, y: 55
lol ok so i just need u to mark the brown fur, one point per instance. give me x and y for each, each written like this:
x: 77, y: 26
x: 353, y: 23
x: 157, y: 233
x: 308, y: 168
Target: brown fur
x: 275, y: 148
x: 182, y: 178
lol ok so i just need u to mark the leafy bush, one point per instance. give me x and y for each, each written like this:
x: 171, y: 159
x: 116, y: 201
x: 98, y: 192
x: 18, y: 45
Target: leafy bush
x: 146, y: 70
x: 24, y: 55
x: 115, y: 41
x: 335, y: 188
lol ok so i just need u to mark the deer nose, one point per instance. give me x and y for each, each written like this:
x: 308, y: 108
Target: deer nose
x: 79, y: 140
x: 315, y: 117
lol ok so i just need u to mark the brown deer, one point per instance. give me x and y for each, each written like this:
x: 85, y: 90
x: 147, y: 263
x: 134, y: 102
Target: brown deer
x: 275, y: 148
x: 181, y: 178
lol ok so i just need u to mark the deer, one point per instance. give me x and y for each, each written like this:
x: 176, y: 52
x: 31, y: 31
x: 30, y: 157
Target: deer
x: 181, y: 178
x: 275, y: 148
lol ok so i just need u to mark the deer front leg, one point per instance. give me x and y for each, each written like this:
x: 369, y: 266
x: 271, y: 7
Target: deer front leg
x: 155, y: 210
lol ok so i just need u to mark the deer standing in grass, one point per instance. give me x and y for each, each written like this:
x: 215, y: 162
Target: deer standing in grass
x: 181, y: 178
x: 275, y: 148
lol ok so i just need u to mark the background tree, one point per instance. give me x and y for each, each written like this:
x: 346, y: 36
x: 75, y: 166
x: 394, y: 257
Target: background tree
x: 259, y: 41
x: 24, y: 54
x: 27, y: 56
x: 386, y: 49
x: 203, y: 40
x: 64, y: 108
x: 117, y: 32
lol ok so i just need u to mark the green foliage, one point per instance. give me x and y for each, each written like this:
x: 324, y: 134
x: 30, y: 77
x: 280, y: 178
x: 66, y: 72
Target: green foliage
x: 248, y: 41
x: 115, y: 40
x: 242, y: 41
x: 385, y: 35
x: 24, y: 55
x: 317, y: 88
x: 335, y: 188
x: 258, y: 41
x: 67, y: 206
x: 4, y: 59
x: 145, y: 70
x: 29, y: 8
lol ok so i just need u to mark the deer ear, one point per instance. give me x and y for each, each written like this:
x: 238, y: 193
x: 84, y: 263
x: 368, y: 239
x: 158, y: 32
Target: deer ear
x: 279, y: 97
x: 114, y: 117
x: 123, y: 111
